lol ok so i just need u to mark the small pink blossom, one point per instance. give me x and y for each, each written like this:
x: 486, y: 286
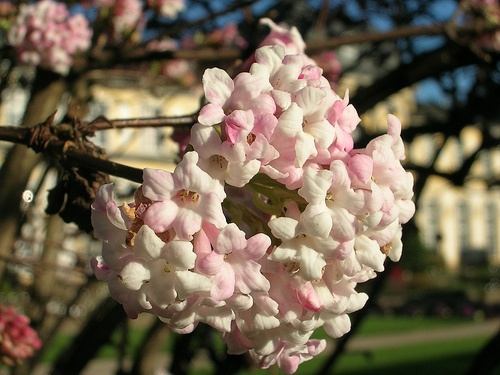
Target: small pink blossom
x: 290, y: 38
x: 127, y: 16
x: 233, y: 262
x: 18, y: 341
x: 289, y: 357
x: 181, y: 200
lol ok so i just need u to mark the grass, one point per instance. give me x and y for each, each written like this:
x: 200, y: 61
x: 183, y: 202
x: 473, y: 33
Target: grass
x: 449, y: 357
x: 382, y: 325
x: 430, y: 359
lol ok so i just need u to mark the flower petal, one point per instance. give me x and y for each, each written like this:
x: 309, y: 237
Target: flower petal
x: 217, y: 85
x: 160, y: 215
x: 158, y: 184
x: 147, y: 244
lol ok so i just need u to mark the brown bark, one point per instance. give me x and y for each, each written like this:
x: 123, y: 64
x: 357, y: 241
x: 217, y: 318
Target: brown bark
x: 48, y: 90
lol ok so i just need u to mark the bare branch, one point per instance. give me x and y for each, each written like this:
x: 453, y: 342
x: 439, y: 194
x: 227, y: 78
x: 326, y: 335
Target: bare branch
x: 469, y: 29
x: 431, y: 64
x: 101, y: 123
x: 103, y: 165
x: 142, y: 53
x: 44, y: 139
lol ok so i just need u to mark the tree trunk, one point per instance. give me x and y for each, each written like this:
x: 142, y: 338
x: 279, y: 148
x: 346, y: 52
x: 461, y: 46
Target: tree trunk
x: 47, y: 92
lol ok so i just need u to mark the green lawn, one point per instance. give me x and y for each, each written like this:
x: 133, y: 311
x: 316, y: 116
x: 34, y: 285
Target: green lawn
x: 430, y: 359
x: 450, y: 357
x: 446, y: 357
x: 423, y: 359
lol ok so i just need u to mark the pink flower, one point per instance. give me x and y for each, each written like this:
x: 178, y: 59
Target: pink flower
x: 161, y: 271
x: 310, y: 217
x: 44, y: 34
x: 111, y: 225
x: 183, y: 316
x: 305, y: 121
x: 307, y: 251
x: 331, y: 66
x: 233, y: 262
x: 127, y: 17
x: 227, y: 162
x: 181, y: 200
x: 289, y: 38
x: 225, y: 95
x: 281, y: 35
x: 18, y: 340
x: 289, y: 357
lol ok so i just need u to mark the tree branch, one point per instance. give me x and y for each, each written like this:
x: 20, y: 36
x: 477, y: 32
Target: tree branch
x: 101, y: 123
x: 142, y: 53
x: 473, y: 28
x: 44, y: 138
x: 431, y: 64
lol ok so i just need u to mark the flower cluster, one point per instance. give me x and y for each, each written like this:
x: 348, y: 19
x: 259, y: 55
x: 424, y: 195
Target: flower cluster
x: 17, y: 339
x: 45, y: 34
x: 270, y: 220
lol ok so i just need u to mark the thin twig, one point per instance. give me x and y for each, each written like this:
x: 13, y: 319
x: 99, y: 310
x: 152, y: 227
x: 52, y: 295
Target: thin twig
x: 101, y: 123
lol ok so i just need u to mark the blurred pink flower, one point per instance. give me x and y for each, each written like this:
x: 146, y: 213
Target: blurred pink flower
x: 127, y: 17
x: 18, y: 340
x: 45, y: 34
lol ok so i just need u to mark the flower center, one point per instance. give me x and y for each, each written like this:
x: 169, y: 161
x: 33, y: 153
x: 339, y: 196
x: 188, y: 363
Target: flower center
x: 219, y: 160
x: 251, y: 138
x: 291, y: 267
x: 166, y: 268
x: 186, y: 196
x: 386, y: 248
